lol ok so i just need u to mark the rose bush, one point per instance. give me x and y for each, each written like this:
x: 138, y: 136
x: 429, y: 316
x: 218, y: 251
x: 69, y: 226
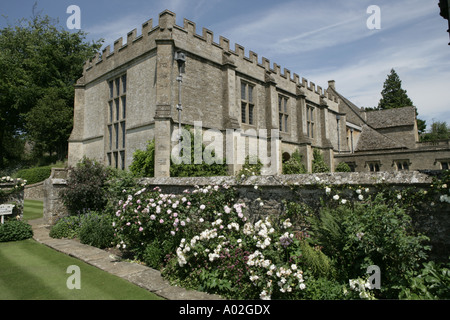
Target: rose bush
x: 203, y: 239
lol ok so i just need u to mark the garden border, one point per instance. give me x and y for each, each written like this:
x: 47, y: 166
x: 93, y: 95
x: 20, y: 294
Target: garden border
x: 271, y: 191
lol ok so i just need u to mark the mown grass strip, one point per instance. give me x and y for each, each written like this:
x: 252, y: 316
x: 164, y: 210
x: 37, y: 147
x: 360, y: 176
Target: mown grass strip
x: 33, y: 209
x: 31, y: 271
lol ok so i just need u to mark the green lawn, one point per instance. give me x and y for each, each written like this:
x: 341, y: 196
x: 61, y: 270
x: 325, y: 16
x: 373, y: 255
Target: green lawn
x: 32, y: 271
x: 32, y: 210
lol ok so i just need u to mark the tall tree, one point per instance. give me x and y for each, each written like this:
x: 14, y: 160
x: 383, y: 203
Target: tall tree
x: 50, y: 123
x: 440, y: 130
x: 394, y: 96
x: 37, y: 59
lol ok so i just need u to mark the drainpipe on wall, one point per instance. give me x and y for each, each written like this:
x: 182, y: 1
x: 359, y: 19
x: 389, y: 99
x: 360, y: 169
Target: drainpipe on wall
x: 351, y: 135
x: 338, y: 133
x: 180, y: 58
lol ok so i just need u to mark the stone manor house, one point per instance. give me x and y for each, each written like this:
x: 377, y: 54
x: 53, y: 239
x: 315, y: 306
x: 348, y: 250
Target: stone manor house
x: 129, y: 95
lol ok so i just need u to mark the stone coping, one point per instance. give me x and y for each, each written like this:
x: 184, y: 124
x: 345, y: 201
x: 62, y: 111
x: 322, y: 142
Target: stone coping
x: 336, y: 178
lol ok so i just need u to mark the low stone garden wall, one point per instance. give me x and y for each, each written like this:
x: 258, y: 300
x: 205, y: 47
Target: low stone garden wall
x: 34, y: 191
x: 267, y: 195
x: 54, y: 208
x: 11, y: 193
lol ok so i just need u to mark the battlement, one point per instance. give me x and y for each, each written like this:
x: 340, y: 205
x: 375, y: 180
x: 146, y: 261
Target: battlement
x: 168, y: 29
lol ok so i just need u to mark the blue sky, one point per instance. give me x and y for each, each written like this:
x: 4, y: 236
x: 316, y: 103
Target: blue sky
x: 319, y: 40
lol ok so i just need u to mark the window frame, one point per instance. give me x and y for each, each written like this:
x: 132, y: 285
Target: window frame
x: 402, y: 165
x: 310, y: 121
x: 248, y: 103
x: 116, y: 122
x: 376, y: 165
x: 283, y: 113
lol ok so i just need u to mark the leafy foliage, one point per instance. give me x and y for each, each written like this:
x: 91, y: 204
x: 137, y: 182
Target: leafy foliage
x: 343, y: 167
x: 85, y: 187
x: 209, y: 167
x: 431, y: 283
x: 34, y: 175
x: 39, y: 63
x: 50, y: 122
x: 15, y: 230
x: 294, y: 165
x: 67, y: 227
x: 96, y: 230
x: 318, y: 163
x: 369, y: 233
x: 251, y: 167
x: 92, y: 228
x: 143, y: 164
x: 439, y: 131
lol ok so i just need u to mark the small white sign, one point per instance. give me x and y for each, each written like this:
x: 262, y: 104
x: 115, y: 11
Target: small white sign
x: 6, y: 209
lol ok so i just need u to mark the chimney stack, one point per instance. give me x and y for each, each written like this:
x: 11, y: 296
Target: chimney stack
x: 332, y: 84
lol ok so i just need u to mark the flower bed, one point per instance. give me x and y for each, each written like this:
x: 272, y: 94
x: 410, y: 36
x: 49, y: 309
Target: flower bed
x: 206, y: 239
x: 209, y: 241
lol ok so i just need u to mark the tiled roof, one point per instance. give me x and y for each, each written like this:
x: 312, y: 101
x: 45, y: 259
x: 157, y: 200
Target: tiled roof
x: 391, y: 118
x: 370, y: 140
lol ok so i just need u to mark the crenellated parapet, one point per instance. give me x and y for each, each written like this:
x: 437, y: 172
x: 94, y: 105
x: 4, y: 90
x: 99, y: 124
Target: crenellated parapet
x: 201, y: 44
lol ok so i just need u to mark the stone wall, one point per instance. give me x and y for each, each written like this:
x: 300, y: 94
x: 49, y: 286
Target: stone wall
x: 15, y: 198
x: 34, y: 191
x: 418, y: 159
x: 54, y: 208
x: 273, y: 191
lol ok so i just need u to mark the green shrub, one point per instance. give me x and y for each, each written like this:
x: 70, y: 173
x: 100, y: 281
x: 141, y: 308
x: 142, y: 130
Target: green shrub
x: 143, y: 164
x: 154, y: 256
x: 324, y: 289
x: 252, y: 167
x: 67, y: 227
x: 431, y: 283
x: 15, y: 230
x: 92, y: 229
x: 96, y: 230
x: 370, y: 232
x: 85, y: 188
x: 343, y: 167
x: 316, y: 261
x: 34, y: 175
x: 294, y: 165
x: 318, y: 164
x: 119, y: 183
x: 211, y: 167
